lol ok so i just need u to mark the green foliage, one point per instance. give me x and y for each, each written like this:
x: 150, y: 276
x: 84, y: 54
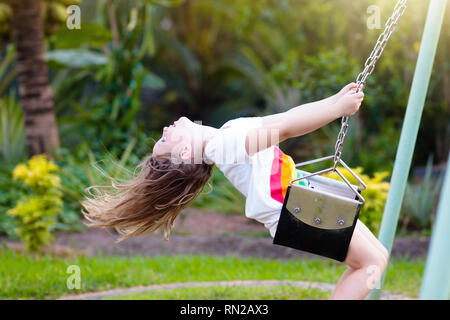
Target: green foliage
x: 11, y: 190
x: 106, y: 115
x: 215, y: 61
x: 7, y: 70
x: 76, y: 58
x: 373, y: 152
x: 36, y: 211
x: 77, y: 174
x: 165, y: 3
x: 221, y: 196
x: 420, y: 200
x: 326, y: 73
x: 101, y: 104
x: 73, y: 182
x: 12, y: 130
x: 375, y: 195
x: 247, y: 58
x: 90, y: 34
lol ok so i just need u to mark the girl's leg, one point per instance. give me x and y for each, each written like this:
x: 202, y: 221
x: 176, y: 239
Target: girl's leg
x: 367, y: 263
x: 373, y: 239
x: 369, y: 235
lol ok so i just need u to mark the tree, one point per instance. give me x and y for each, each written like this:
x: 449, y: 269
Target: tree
x: 34, y: 89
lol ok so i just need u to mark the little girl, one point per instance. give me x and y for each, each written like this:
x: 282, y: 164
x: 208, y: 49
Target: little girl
x: 246, y: 151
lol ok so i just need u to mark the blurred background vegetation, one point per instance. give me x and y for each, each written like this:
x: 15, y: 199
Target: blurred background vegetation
x: 136, y: 65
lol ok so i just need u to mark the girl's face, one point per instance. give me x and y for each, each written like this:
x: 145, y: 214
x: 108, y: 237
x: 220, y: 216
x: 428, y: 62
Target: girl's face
x: 177, y: 140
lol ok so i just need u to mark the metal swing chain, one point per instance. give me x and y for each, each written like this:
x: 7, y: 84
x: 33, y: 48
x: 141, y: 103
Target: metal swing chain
x: 369, y: 67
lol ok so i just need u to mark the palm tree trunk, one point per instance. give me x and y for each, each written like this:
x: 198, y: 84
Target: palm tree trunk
x: 34, y: 89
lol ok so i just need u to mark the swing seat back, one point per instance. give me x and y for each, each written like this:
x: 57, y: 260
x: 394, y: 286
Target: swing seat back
x: 326, y: 203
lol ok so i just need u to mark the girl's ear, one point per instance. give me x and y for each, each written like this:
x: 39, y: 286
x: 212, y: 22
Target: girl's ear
x: 186, y: 152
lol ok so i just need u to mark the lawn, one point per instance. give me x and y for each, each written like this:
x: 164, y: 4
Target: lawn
x: 282, y: 292
x: 46, y: 277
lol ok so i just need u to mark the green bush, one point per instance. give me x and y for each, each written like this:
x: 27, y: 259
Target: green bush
x: 420, y: 201
x: 11, y: 190
x: 36, y: 211
x: 375, y: 195
x: 221, y: 196
x: 12, y: 129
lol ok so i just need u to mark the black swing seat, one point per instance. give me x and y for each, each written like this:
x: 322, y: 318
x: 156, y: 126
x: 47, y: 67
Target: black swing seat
x: 320, y: 218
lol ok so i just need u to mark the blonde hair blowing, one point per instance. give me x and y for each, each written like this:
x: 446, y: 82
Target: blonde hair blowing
x: 153, y: 198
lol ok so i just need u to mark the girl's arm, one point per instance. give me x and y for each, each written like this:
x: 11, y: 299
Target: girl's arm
x: 303, y: 119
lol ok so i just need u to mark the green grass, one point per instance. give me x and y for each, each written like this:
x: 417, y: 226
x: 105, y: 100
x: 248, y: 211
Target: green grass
x: 27, y: 277
x: 283, y: 292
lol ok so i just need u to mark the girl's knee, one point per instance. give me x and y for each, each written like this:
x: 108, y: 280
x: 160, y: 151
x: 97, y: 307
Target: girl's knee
x: 377, y: 259
x: 382, y: 249
x: 365, y: 251
x: 371, y: 256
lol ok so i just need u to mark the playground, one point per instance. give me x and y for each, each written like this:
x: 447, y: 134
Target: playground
x: 88, y: 102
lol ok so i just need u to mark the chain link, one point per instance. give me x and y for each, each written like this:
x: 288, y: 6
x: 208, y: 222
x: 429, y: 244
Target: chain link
x: 369, y: 67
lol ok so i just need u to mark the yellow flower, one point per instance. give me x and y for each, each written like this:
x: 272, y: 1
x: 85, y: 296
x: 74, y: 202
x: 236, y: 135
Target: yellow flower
x: 37, y: 212
x: 52, y: 167
x: 20, y: 172
x: 37, y: 172
x: 38, y: 165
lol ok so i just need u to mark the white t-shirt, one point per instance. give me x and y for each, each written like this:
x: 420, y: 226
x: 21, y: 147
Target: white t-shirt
x: 262, y: 178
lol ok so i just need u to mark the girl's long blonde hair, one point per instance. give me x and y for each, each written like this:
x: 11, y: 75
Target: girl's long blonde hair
x: 153, y: 198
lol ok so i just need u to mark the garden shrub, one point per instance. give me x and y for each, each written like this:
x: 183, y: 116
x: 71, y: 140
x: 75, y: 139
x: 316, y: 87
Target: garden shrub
x: 11, y: 190
x: 420, y: 201
x: 37, y: 211
x: 221, y: 196
x: 375, y: 195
